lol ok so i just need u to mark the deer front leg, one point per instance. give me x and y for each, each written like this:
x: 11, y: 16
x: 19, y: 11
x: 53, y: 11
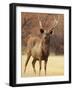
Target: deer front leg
x: 28, y: 57
x: 33, y: 65
x: 45, y: 65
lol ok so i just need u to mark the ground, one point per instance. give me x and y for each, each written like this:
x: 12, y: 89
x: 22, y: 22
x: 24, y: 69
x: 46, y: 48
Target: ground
x: 55, y: 67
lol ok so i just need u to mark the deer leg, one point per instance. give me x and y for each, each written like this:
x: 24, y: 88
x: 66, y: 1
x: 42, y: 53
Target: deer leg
x: 39, y: 67
x: 28, y: 57
x: 33, y: 65
x: 45, y: 65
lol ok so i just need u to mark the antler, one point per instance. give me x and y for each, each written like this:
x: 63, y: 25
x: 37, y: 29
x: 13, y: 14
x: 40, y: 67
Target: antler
x: 54, y: 24
x: 40, y: 22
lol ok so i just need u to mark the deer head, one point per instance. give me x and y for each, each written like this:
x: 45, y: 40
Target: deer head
x: 46, y: 33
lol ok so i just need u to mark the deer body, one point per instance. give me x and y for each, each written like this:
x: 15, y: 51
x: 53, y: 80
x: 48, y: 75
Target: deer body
x: 38, y: 47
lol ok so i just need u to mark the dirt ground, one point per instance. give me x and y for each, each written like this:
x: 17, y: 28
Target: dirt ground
x: 55, y: 67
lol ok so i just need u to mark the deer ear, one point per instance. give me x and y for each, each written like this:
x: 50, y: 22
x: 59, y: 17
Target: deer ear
x: 42, y: 30
x: 51, y: 32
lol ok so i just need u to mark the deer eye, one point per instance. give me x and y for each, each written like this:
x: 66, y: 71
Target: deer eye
x: 42, y: 30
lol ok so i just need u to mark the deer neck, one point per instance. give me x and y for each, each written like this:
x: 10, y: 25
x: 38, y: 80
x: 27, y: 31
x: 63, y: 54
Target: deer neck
x: 45, y: 48
x: 45, y: 44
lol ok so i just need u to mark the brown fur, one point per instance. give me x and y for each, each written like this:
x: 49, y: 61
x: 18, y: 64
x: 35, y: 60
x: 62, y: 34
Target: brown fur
x: 38, y: 48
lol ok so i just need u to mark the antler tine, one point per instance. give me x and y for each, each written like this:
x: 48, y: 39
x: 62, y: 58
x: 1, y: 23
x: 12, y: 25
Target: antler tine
x: 54, y: 24
x: 40, y: 22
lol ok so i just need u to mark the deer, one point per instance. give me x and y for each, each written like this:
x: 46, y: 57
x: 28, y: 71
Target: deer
x: 38, y: 47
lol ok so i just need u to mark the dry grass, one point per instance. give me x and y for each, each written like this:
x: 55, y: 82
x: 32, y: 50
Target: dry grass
x: 55, y: 67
